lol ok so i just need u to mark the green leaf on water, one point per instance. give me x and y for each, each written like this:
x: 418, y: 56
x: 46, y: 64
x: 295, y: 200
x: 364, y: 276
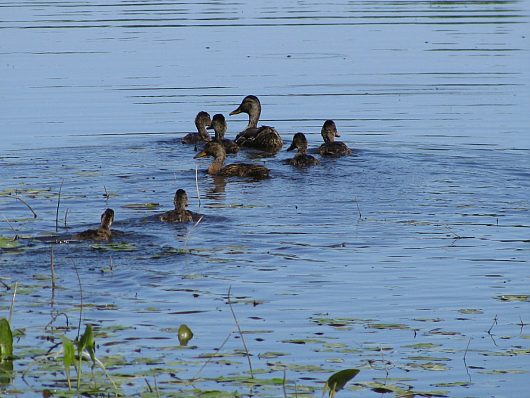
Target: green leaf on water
x: 388, y: 326
x: 116, y: 247
x: 8, y: 243
x: 469, y: 311
x: 86, y: 342
x: 141, y: 206
x: 6, y: 340
x: 514, y: 297
x: 68, y: 357
x: 337, y: 381
x: 184, y: 334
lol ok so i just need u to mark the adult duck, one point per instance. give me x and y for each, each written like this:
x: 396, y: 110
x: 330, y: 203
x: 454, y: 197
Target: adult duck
x: 301, y: 158
x: 265, y: 138
x: 330, y: 147
x: 179, y: 214
x: 217, y: 168
x: 220, y: 127
x: 202, y: 121
x: 103, y: 232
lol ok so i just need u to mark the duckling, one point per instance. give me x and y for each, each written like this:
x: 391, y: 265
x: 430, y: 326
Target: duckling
x: 301, y: 158
x: 202, y: 120
x: 103, y: 232
x: 265, y: 138
x: 330, y: 147
x: 219, y: 126
x: 179, y: 214
x: 217, y: 151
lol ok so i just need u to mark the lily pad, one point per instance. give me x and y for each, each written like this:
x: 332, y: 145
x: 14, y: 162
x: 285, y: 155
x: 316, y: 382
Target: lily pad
x: 7, y: 243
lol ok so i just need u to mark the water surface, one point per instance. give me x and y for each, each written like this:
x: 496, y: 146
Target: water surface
x: 406, y: 260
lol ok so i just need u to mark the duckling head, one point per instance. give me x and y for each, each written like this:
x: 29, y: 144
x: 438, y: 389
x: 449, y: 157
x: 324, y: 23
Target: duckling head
x: 213, y: 149
x: 181, y: 200
x: 299, y: 142
x: 251, y: 106
x: 329, y: 131
x: 107, y: 218
x: 202, y: 121
x: 219, y: 126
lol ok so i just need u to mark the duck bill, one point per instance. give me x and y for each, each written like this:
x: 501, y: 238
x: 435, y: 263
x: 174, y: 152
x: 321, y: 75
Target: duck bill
x: 201, y: 154
x: 337, y: 134
x: 293, y: 146
x: 236, y: 111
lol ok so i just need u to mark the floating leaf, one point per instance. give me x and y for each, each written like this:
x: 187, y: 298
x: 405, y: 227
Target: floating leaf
x: 184, y: 334
x: 388, y: 326
x: 6, y: 340
x: 116, y: 247
x: 142, y: 206
x: 8, y: 243
x: 338, y: 380
x: 514, y: 297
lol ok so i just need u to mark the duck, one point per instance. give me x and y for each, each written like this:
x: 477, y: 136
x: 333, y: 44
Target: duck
x: 330, y: 147
x: 301, y: 158
x: 218, y: 152
x: 179, y: 214
x: 219, y: 126
x: 103, y: 232
x: 202, y: 121
x: 264, y: 138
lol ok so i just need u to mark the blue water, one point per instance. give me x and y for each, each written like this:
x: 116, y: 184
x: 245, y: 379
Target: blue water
x: 420, y: 237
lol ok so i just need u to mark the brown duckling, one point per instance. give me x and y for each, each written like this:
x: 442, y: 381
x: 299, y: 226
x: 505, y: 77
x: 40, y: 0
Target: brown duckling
x: 265, y: 138
x: 179, y: 214
x: 219, y: 126
x: 301, y: 158
x: 202, y: 121
x: 330, y: 147
x: 217, y: 151
x: 103, y: 232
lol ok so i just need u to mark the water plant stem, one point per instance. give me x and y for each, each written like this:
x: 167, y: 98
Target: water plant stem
x: 27, y: 205
x: 240, y: 333
x: 197, y: 184
x: 57, y: 210
x: 13, y: 302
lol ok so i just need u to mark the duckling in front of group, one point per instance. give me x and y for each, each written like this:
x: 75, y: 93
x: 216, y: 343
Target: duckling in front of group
x: 301, y: 158
x: 179, y: 214
x: 103, y: 232
x: 220, y: 127
x: 330, y: 147
x: 202, y: 121
x: 217, y: 168
x: 264, y: 138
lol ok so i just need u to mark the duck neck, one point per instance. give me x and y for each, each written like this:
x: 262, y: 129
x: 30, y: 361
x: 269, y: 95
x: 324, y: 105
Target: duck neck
x: 253, y: 118
x: 201, y: 129
x: 216, y: 165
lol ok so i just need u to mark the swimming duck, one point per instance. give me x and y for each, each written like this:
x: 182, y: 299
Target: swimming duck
x: 330, y: 147
x: 103, y: 232
x: 217, y: 151
x: 265, y: 138
x: 202, y: 120
x: 219, y: 126
x: 179, y: 214
x: 301, y: 158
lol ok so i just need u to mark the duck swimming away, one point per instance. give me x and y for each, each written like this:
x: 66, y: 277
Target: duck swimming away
x: 202, y: 121
x: 301, y: 158
x: 220, y: 127
x: 102, y: 233
x: 179, y: 214
x: 330, y: 147
x: 265, y: 138
x: 217, y: 167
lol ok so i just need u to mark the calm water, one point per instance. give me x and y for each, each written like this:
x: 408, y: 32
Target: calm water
x: 407, y: 260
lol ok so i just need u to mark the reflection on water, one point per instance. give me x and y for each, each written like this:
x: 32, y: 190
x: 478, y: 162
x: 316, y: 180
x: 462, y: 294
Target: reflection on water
x: 397, y: 259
